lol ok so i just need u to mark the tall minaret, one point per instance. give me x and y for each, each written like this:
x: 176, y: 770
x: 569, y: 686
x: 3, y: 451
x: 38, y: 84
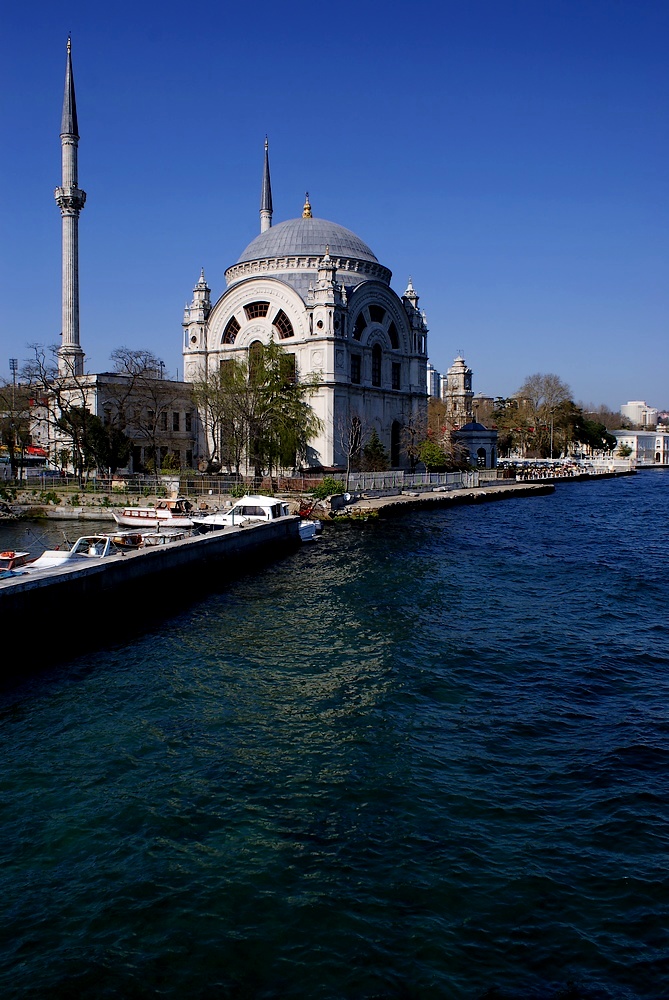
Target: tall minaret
x: 266, y: 194
x: 70, y: 200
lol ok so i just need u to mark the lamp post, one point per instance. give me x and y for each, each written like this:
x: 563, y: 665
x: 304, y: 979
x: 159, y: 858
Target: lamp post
x: 13, y: 367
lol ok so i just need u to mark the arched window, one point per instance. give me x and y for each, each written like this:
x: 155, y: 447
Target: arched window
x: 395, y: 434
x: 359, y: 327
x: 394, y: 338
x: 254, y: 310
x: 231, y: 331
x: 255, y: 360
x: 481, y: 458
x: 377, y: 356
x: 283, y: 325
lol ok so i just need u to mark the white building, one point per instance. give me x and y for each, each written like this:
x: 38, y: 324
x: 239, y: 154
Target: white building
x: 433, y: 382
x: 640, y: 413
x: 320, y: 292
x: 646, y: 447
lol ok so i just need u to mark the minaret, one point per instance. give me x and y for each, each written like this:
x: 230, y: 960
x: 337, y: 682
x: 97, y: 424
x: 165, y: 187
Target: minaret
x: 70, y: 200
x: 266, y: 194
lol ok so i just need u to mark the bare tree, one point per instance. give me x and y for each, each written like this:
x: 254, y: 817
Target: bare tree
x: 222, y: 398
x: 62, y: 403
x: 141, y: 398
x: 414, y: 433
x: 352, y: 434
x: 544, y: 394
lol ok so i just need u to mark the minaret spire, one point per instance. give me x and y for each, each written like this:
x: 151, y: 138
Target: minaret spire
x: 70, y: 200
x: 266, y: 194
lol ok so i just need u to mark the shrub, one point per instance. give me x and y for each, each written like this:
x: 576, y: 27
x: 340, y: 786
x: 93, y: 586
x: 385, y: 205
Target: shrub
x: 326, y: 488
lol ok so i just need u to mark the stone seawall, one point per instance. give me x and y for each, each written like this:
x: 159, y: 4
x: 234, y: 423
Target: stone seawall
x: 75, y: 609
x: 393, y: 506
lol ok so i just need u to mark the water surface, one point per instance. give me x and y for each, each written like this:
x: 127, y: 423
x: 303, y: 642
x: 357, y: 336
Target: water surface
x: 425, y: 757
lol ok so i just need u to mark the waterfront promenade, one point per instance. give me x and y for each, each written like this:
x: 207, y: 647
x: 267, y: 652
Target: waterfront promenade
x: 59, y: 504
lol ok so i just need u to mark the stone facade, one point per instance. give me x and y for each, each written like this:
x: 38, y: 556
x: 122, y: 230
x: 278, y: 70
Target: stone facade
x: 157, y: 415
x: 457, y: 393
x: 317, y: 290
x: 649, y: 447
x: 70, y: 200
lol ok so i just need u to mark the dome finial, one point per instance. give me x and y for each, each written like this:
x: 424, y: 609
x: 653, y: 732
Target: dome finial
x: 306, y: 211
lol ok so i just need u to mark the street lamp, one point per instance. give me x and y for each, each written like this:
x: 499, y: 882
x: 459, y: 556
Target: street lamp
x: 13, y: 367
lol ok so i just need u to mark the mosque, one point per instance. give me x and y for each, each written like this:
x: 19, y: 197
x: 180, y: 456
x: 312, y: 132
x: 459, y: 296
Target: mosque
x: 313, y: 287
x: 319, y: 291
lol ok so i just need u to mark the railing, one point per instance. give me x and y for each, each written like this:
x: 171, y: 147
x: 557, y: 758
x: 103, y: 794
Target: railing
x: 196, y: 485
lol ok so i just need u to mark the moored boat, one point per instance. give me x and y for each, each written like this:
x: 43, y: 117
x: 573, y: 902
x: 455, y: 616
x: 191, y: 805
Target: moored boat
x: 11, y: 561
x: 166, y: 513
x: 86, y: 549
x: 253, y: 509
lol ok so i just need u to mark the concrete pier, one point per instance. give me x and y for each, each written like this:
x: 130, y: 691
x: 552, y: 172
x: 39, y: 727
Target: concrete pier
x: 97, y: 603
x: 394, y: 503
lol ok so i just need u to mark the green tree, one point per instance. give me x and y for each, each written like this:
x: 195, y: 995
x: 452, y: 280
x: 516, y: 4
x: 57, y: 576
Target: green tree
x: 223, y: 400
x: 259, y: 407
x: 592, y: 433
x: 432, y: 457
x: 14, y: 422
x: 107, y: 445
x: 374, y: 455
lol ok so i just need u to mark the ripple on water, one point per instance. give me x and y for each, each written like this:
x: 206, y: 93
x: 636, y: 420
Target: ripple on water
x: 424, y: 759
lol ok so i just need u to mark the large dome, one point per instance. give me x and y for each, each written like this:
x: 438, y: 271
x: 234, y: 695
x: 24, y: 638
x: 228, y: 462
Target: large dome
x: 307, y: 238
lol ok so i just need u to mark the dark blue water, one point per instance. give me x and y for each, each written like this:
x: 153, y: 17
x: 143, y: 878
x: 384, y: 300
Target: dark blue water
x: 425, y: 758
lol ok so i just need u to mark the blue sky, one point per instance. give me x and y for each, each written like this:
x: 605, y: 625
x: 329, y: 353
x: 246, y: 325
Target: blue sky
x: 510, y: 156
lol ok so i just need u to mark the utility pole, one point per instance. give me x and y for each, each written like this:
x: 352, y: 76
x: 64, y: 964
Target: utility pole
x: 13, y: 367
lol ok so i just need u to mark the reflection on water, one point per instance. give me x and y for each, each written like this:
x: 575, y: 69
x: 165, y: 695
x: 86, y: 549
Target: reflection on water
x: 36, y: 536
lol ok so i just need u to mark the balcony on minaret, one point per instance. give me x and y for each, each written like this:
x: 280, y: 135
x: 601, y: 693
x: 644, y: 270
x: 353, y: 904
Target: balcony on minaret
x: 70, y: 200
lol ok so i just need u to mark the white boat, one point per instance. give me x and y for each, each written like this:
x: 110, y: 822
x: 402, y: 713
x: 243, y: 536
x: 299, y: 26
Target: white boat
x: 88, y: 548
x: 11, y: 561
x: 166, y: 514
x: 253, y: 509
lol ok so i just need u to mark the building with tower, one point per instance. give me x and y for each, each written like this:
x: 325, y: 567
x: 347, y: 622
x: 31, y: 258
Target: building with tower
x: 475, y: 442
x: 156, y: 414
x: 319, y: 291
x: 312, y: 286
x: 457, y: 393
